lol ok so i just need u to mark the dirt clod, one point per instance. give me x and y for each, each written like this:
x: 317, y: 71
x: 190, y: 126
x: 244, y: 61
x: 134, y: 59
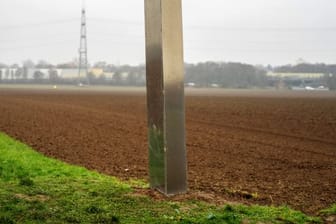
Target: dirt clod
x: 277, y: 150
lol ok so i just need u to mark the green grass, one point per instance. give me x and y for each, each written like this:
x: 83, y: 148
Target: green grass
x: 36, y: 189
x: 329, y: 211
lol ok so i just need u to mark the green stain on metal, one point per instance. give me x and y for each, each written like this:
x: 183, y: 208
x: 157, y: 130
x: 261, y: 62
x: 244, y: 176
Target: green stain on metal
x: 156, y: 158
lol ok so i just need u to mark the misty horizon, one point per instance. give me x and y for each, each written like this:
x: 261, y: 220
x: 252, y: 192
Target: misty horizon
x: 256, y: 32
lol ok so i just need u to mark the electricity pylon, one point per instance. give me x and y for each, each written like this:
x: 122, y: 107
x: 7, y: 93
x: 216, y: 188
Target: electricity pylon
x: 83, y: 61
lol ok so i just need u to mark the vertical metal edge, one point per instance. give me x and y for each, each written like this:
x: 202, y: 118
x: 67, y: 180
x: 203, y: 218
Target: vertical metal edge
x: 154, y: 82
x: 174, y: 111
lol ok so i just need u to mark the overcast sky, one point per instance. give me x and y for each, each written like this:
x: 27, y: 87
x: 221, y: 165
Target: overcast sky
x: 250, y: 31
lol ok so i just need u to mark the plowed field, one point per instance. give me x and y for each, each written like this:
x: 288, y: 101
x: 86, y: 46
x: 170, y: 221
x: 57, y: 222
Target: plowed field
x: 264, y: 147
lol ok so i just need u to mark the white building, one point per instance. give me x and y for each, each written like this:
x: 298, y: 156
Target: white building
x: 8, y: 73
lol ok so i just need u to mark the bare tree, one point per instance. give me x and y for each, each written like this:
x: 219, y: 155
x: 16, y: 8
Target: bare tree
x: 53, y: 75
x: 18, y: 73
x: 38, y: 75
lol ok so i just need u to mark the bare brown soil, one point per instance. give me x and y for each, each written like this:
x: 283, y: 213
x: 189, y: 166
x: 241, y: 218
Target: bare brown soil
x: 252, y: 148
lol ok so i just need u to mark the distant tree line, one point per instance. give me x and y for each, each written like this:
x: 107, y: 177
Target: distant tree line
x: 227, y: 75
x: 205, y: 74
x: 307, y: 68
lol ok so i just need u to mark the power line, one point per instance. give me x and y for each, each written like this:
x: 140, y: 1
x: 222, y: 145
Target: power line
x: 41, y: 36
x: 260, y: 29
x: 112, y: 20
x: 37, y: 45
x: 46, y: 23
x: 103, y: 20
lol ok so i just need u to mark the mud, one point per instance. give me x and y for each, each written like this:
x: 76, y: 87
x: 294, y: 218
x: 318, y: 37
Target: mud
x: 251, y: 148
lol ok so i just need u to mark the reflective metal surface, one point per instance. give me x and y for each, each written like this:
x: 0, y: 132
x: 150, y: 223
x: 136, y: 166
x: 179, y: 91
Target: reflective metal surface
x: 165, y: 96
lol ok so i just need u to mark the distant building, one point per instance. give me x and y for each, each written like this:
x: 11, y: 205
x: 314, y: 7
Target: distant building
x: 109, y: 75
x: 285, y: 75
x: 65, y: 73
x: 96, y: 72
x: 283, y: 80
x: 124, y: 76
x: 8, y: 73
x: 69, y: 73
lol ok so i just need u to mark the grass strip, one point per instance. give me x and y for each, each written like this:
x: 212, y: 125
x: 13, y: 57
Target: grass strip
x: 37, y: 189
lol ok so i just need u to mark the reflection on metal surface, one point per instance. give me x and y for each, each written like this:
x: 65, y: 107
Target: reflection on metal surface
x: 156, y: 158
x: 165, y: 96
